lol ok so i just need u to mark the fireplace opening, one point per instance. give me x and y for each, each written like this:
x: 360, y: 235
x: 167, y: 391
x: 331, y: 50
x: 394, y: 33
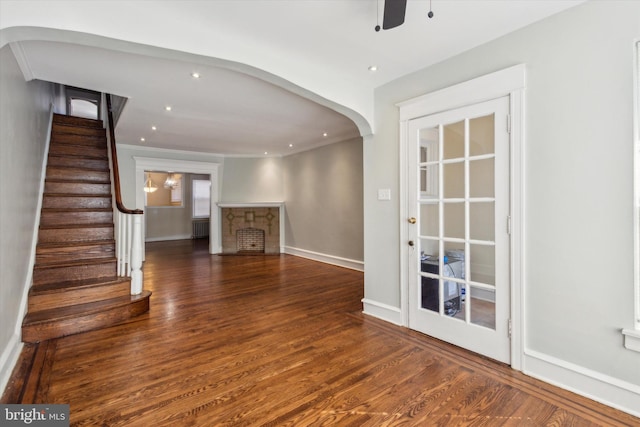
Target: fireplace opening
x: 250, y: 240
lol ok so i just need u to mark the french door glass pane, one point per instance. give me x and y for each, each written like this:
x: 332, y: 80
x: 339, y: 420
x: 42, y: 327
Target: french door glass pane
x: 482, y: 264
x: 429, y: 224
x: 453, y: 147
x: 429, y: 248
x: 481, y: 221
x: 483, y: 307
x: 481, y: 135
x: 481, y: 178
x: 453, y: 180
x: 454, y: 220
x: 428, y: 181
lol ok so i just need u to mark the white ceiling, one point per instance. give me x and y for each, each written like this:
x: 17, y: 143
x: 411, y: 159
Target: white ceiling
x: 252, y: 56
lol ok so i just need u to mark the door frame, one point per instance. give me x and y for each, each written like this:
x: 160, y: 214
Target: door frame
x: 507, y: 82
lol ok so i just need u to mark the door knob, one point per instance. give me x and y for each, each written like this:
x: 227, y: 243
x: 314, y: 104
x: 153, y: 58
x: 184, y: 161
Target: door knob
x: 411, y: 243
x: 412, y: 220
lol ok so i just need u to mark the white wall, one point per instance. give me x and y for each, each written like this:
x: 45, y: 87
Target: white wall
x: 578, y: 180
x: 24, y: 122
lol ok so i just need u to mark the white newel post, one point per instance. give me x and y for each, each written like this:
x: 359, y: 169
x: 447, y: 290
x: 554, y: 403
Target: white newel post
x: 136, y: 256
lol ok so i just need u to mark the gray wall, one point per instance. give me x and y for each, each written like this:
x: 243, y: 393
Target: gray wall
x: 324, y: 202
x: 24, y: 121
x: 578, y: 190
x: 322, y: 189
x: 252, y: 180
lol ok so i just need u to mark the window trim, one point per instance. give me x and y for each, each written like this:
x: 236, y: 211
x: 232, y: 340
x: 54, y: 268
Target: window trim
x: 632, y: 336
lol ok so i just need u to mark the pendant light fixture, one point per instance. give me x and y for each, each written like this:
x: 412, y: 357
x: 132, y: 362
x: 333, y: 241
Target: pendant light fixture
x: 149, y: 186
x: 171, y: 181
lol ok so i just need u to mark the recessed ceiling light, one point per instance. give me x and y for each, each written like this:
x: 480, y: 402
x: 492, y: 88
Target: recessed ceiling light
x: 168, y: 108
x: 290, y: 145
x: 265, y: 153
x: 142, y: 139
x: 195, y: 75
x: 325, y: 134
x: 154, y: 128
x: 373, y: 68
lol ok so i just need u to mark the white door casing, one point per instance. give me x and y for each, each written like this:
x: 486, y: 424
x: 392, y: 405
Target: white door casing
x: 508, y: 82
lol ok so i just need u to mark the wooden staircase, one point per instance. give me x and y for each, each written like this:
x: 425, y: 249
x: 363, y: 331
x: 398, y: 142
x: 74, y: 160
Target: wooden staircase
x: 75, y: 283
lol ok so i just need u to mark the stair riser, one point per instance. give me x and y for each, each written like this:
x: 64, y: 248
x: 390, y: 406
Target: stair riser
x: 71, y: 174
x: 59, y: 119
x: 79, y: 140
x: 70, y: 218
x: 71, y: 161
x: 46, y: 255
x: 76, y: 202
x: 46, y: 301
x: 61, y: 129
x: 76, y: 150
x: 77, y: 188
x: 55, y: 329
x: 74, y: 235
x: 45, y: 275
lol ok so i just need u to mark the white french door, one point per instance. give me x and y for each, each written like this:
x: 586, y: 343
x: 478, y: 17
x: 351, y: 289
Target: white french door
x: 458, y: 232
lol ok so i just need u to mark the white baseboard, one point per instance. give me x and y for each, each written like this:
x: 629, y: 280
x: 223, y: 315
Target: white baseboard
x: 8, y: 360
x: 327, y: 259
x: 382, y: 311
x: 602, y: 388
x: 166, y: 238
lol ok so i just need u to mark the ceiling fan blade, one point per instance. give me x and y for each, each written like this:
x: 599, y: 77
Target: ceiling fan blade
x: 394, y: 11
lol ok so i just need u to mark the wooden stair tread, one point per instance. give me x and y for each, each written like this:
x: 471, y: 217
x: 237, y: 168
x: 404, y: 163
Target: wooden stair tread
x: 75, y: 168
x: 77, y: 210
x: 75, y: 180
x: 74, y: 263
x: 77, y: 195
x: 76, y: 157
x: 75, y: 284
x: 71, y: 311
x: 76, y: 226
x: 83, y: 243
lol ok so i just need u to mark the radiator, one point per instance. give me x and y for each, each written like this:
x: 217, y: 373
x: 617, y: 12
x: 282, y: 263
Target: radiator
x: 200, y: 229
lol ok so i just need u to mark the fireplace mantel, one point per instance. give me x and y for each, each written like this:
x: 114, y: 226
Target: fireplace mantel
x: 252, y: 215
x: 251, y: 205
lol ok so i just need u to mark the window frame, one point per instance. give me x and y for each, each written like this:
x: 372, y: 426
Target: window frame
x: 193, y: 198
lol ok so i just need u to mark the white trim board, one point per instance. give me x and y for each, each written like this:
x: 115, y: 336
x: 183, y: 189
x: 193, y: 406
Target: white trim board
x: 9, y: 358
x: 325, y: 258
x: 167, y: 238
x: 382, y: 311
x: 602, y: 388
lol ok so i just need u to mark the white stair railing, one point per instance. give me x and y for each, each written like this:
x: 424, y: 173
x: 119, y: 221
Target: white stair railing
x: 127, y: 222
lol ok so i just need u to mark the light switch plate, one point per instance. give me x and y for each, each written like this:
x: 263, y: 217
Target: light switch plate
x: 384, y: 194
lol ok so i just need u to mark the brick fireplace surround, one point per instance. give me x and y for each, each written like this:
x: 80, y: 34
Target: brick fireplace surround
x: 250, y: 229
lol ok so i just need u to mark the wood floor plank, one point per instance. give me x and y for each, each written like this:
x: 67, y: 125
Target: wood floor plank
x: 267, y: 340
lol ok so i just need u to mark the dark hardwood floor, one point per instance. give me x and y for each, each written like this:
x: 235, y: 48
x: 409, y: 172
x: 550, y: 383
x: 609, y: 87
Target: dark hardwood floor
x: 277, y: 341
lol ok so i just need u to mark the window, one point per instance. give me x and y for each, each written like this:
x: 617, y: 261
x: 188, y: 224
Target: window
x: 83, y: 102
x: 201, y: 198
x: 83, y: 108
x: 632, y: 336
